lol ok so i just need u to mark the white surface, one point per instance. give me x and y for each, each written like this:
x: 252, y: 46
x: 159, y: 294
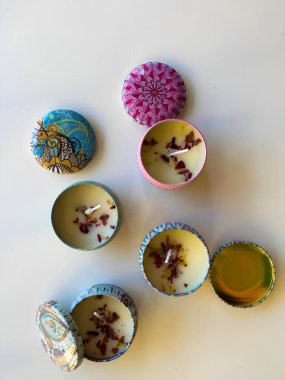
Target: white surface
x: 76, y: 54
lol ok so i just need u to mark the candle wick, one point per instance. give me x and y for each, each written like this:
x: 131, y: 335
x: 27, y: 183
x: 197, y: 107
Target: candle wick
x: 169, y: 253
x: 98, y: 316
x: 177, y: 152
x: 90, y: 210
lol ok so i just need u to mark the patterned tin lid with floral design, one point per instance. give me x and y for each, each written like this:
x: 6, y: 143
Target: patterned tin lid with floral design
x: 63, y: 141
x: 59, y: 335
x: 153, y: 92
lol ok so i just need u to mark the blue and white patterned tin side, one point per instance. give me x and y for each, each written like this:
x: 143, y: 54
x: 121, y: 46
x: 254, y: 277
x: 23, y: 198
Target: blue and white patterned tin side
x: 63, y: 141
x: 166, y: 227
x: 121, y: 295
x: 59, y: 335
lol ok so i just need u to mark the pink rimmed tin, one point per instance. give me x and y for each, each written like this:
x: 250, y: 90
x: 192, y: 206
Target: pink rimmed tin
x: 172, y: 154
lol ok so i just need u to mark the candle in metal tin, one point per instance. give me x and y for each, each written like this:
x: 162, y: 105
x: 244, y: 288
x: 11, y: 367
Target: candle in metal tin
x: 171, y: 154
x: 86, y: 215
x: 174, y: 259
x: 242, y: 274
x: 100, y: 327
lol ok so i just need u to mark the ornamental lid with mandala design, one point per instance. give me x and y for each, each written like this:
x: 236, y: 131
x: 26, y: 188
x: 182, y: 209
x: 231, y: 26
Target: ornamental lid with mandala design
x: 153, y: 92
x: 59, y: 335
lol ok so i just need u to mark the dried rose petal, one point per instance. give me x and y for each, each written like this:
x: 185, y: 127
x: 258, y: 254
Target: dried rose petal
x: 112, y: 207
x: 185, y: 285
x: 99, y: 238
x: 104, y: 219
x: 92, y: 333
x: 180, y: 165
x: 115, y: 350
x: 113, y: 227
x: 83, y: 228
x: 190, y: 137
x: 164, y: 158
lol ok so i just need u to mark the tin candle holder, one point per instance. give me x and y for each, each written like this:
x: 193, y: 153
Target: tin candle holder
x: 100, y: 327
x: 63, y: 142
x: 174, y: 259
x: 242, y: 274
x: 86, y: 215
x: 172, y: 154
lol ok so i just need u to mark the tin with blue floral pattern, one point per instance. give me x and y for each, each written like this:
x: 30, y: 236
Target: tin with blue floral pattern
x: 63, y: 141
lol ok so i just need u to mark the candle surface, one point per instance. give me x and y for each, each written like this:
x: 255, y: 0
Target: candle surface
x: 185, y: 269
x: 85, y: 231
x: 105, y: 324
x: 242, y: 274
x: 169, y: 138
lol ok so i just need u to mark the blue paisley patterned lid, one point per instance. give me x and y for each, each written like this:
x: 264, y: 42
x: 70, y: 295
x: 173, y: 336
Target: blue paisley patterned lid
x: 63, y: 141
x: 59, y: 335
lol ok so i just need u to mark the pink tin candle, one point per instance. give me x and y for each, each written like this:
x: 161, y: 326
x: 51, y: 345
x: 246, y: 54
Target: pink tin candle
x: 172, y: 154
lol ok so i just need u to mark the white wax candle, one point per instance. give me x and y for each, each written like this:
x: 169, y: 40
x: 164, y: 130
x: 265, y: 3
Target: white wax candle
x: 187, y: 266
x: 108, y: 335
x: 161, y: 156
x: 77, y: 229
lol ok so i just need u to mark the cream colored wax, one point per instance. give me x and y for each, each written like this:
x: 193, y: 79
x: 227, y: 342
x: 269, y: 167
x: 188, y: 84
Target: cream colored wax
x: 101, y: 342
x: 155, y: 146
x: 192, y: 266
x: 69, y: 221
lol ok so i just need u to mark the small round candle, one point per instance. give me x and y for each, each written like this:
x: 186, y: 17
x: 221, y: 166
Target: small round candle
x: 171, y: 154
x: 107, y: 320
x: 242, y: 274
x: 174, y: 259
x: 86, y: 215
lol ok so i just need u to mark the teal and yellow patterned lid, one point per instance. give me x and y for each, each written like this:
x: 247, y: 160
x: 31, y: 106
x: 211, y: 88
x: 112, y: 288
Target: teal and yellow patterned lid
x: 59, y: 335
x: 63, y: 141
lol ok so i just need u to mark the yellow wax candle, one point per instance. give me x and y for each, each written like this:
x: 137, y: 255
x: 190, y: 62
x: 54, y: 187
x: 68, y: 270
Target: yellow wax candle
x: 105, y: 324
x: 176, y: 261
x: 171, y: 154
x: 85, y: 216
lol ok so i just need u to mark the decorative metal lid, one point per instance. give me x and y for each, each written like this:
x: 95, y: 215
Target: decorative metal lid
x: 59, y: 335
x: 153, y: 92
x: 63, y: 141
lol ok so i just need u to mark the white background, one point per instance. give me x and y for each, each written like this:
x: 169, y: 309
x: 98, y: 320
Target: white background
x: 76, y: 54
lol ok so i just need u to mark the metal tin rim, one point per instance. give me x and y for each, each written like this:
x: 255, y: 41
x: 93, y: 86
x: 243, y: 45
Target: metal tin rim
x: 153, y: 181
x: 116, y: 200
x: 165, y: 227
x: 273, y: 280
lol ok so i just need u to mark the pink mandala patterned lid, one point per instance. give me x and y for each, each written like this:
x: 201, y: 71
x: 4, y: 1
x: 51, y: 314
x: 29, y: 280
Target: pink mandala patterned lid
x: 153, y: 92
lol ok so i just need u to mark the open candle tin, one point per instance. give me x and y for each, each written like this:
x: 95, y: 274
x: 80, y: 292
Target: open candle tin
x: 63, y: 141
x: 86, y: 215
x: 66, y: 336
x: 174, y: 259
x: 171, y: 154
x: 242, y: 274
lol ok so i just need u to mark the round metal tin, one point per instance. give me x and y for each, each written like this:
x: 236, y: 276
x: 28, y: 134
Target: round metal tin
x: 242, y: 274
x: 62, y: 194
x: 153, y: 92
x: 163, y: 185
x: 121, y: 295
x: 63, y: 141
x: 168, y: 226
x: 59, y: 335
